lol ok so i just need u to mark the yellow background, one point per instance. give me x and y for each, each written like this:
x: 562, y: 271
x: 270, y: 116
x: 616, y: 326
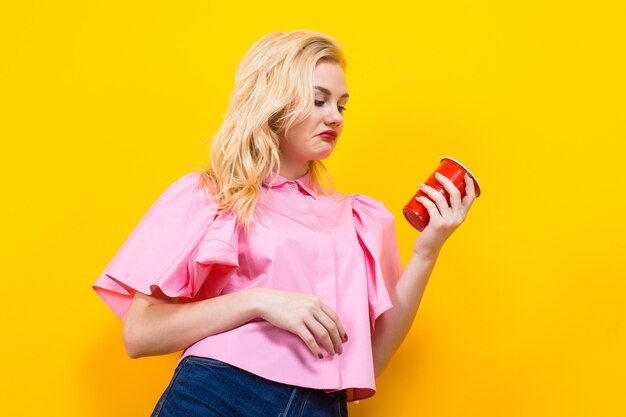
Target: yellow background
x: 104, y: 104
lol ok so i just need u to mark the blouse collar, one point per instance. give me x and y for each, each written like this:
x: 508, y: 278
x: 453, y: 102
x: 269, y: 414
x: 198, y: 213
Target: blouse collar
x: 279, y: 181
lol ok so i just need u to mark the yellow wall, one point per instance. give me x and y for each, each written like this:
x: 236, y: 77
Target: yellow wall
x: 106, y: 103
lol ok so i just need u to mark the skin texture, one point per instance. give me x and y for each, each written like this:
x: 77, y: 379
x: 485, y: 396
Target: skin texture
x: 152, y: 319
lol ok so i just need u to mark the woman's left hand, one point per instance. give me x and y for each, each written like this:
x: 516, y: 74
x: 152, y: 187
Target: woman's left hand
x: 444, y: 218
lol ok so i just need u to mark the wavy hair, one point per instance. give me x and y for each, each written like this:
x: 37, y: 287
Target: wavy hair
x: 273, y: 92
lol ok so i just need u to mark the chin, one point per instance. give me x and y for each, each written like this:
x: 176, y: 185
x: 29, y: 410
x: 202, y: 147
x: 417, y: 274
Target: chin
x: 321, y: 155
x: 326, y: 152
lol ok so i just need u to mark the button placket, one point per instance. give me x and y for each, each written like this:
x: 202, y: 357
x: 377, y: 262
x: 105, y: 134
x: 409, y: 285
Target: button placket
x: 325, y: 288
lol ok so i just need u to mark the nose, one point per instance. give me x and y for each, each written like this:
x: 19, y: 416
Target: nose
x: 333, y: 116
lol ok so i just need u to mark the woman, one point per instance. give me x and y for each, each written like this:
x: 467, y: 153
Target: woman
x: 274, y: 286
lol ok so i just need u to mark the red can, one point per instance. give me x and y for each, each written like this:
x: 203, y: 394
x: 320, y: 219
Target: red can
x: 415, y: 213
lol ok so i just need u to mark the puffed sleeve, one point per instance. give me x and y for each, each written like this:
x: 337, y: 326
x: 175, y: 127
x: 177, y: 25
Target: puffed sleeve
x: 375, y: 227
x: 177, y: 246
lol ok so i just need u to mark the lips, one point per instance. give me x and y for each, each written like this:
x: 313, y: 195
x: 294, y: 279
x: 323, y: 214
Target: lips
x: 328, y: 134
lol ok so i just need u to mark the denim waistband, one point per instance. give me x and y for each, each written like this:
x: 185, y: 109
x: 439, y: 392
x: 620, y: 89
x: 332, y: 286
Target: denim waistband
x: 204, y: 385
x: 341, y: 394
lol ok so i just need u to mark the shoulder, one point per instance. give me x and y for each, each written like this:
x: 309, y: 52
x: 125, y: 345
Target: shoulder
x: 190, y: 186
x: 183, y: 198
x: 190, y: 180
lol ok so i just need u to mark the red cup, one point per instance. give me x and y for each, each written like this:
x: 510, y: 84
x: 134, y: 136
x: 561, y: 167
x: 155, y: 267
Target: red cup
x: 416, y: 213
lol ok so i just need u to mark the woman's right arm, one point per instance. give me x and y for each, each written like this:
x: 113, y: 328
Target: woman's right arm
x: 156, y: 326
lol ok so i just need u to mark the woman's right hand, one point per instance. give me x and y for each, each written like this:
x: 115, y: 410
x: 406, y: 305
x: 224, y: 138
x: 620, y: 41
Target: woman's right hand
x: 305, y: 316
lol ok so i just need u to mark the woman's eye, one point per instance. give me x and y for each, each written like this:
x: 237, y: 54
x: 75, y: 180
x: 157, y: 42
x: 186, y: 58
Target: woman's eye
x: 319, y: 103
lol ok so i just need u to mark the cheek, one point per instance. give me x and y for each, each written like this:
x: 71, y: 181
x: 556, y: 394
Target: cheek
x: 315, y: 119
x: 305, y: 131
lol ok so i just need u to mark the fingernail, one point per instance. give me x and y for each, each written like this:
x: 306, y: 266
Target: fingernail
x: 422, y: 185
x: 345, y: 337
x: 319, y: 355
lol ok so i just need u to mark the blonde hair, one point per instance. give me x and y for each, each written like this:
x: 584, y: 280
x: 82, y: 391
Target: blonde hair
x: 273, y: 91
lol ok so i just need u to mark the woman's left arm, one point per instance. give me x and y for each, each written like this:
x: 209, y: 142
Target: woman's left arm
x: 392, y: 326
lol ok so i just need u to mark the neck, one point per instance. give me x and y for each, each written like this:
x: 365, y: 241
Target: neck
x: 293, y: 170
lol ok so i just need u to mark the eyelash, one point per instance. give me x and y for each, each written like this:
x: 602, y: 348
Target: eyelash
x: 320, y: 102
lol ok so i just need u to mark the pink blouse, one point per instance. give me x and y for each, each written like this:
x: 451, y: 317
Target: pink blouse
x: 344, y: 252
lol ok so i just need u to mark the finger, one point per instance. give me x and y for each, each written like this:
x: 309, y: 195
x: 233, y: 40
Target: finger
x: 438, y: 198
x: 470, y: 191
x: 433, y: 212
x: 308, y: 338
x: 455, y: 194
x: 321, y: 334
x: 331, y: 328
x: 335, y: 318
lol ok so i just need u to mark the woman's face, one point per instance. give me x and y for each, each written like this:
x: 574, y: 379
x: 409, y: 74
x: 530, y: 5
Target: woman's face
x: 302, y: 142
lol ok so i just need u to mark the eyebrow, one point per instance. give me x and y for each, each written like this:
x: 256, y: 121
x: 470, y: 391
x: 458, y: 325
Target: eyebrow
x: 327, y: 91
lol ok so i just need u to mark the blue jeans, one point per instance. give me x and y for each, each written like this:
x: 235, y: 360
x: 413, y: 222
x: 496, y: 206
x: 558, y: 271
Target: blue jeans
x: 207, y: 387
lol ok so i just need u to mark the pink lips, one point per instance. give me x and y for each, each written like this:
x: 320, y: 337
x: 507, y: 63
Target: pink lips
x: 329, y: 134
